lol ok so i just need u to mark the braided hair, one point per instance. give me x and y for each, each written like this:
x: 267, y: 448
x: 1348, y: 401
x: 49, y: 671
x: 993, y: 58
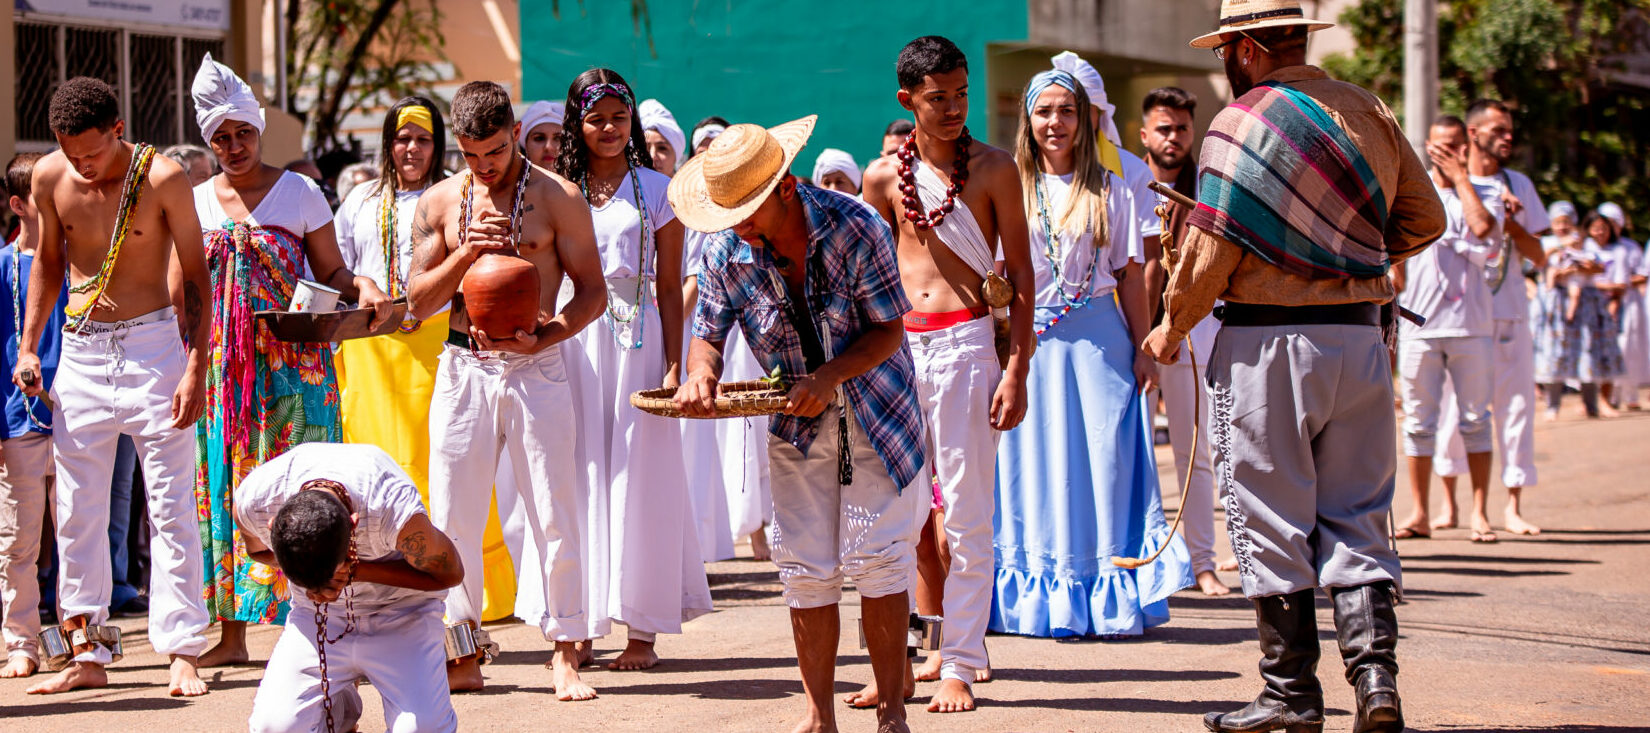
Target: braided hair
x: 573, y: 162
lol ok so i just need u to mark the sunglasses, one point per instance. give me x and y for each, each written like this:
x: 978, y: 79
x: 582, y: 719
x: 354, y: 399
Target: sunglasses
x: 1220, y: 51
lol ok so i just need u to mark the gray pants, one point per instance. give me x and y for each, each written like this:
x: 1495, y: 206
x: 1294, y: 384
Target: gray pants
x: 1305, y: 454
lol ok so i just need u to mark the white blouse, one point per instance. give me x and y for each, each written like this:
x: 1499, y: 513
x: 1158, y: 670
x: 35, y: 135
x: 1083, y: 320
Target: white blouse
x: 1076, y: 251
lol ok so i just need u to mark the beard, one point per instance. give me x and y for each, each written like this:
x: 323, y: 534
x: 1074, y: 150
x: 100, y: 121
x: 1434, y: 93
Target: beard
x: 1237, y: 76
x: 1488, y: 150
x: 1167, y: 161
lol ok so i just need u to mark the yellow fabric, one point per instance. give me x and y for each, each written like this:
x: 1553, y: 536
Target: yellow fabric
x: 385, y: 384
x: 1109, y: 159
x: 417, y: 114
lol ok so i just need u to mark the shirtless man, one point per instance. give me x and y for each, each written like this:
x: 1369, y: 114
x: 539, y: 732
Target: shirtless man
x: 123, y: 370
x: 946, y: 245
x: 495, y: 394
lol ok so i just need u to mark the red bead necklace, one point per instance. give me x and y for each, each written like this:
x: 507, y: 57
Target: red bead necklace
x: 908, y: 182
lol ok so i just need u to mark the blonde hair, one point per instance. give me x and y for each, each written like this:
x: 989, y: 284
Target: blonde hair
x: 1086, y: 204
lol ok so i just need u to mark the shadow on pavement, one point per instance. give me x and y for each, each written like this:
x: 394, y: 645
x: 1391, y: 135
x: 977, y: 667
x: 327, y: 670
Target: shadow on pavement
x: 1193, y: 635
x: 1430, y: 593
x: 1086, y: 676
x: 1503, y: 559
x: 724, y: 689
x: 1129, y: 705
x: 78, y: 705
x: 1194, y: 599
x: 1543, y: 729
x: 1482, y: 572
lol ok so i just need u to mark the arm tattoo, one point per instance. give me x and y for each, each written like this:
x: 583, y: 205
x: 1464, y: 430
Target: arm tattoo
x: 417, y: 552
x: 192, y: 307
x: 422, y: 236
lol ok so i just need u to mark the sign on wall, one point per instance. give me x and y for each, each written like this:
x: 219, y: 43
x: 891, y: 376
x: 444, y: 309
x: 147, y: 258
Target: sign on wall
x: 211, y: 14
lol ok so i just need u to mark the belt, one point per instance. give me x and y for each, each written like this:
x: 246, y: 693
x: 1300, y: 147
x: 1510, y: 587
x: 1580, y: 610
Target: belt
x: 1345, y: 314
x: 460, y: 339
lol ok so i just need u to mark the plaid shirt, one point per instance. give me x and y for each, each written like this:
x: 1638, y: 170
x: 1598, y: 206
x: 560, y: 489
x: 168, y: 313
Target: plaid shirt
x: 852, y: 281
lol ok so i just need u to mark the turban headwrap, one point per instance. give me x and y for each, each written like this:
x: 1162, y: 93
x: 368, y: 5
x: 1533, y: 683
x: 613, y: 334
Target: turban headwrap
x: 1045, y: 79
x: 708, y: 132
x: 831, y: 159
x: 220, y: 95
x: 1561, y: 208
x: 1612, y: 211
x: 1095, y: 88
x: 655, y: 117
x: 540, y: 113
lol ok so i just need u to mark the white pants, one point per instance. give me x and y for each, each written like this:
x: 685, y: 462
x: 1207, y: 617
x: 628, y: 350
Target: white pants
x: 824, y: 531
x: 121, y: 383
x: 518, y: 404
x: 1512, y: 409
x: 22, y: 511
x: 1425, y: 367
x: 401, y: 650
x: 1180, y: 386
x: 957, y: 374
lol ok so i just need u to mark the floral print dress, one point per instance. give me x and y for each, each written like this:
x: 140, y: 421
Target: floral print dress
x: 263, y: 396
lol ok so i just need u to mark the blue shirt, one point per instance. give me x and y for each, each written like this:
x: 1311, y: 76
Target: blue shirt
x: 14, y: 274
x: 851, y: 281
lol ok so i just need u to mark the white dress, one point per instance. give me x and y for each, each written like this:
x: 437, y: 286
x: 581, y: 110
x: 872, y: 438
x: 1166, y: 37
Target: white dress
x: 644, y: 567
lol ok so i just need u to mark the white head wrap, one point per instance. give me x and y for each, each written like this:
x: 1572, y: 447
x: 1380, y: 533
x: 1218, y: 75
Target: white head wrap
x: 655, y: 117
x: 221, y: 95
x: 1561, y: 208
x: 831, y: 159
x: 1095, y: 87
x: 1612, y: 211
x: 539, y: 113
x: 708, y: 132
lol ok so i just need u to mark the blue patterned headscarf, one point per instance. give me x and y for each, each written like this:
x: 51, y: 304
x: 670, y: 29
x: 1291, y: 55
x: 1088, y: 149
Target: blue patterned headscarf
x: 595, y: 92
x: 1045, y: 79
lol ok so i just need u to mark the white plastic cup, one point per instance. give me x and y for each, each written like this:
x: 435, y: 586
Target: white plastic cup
x: 313, y: 297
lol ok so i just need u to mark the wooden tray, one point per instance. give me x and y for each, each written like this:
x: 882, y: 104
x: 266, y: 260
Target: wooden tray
x: 340, y: 325
x: 737, y: 399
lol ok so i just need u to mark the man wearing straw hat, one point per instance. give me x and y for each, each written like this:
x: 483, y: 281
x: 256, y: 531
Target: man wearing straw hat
x: 1308, y: 193
x: 812, y: 279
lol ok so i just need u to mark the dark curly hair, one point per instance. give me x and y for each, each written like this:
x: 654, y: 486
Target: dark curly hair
x: 573, y: 163
x: 310, y: 538
x: 83, y: 103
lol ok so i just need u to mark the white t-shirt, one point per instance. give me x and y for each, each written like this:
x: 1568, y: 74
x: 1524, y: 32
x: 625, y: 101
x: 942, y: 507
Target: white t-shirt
x: 361, y: 242
x: 1445, y: 282
x: 384, y: 499
x: 619, y: 225
x: 294, y: 203
x: 1137, y: 177
x: 1511, y: 304
x: 1077, y: 252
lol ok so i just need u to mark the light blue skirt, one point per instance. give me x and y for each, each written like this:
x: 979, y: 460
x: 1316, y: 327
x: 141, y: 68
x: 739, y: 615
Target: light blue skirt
x: 1076, y: 486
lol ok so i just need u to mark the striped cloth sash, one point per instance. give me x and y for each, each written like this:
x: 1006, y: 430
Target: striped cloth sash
x: 1283, y: 181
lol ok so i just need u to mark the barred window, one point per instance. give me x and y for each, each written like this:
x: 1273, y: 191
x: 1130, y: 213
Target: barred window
x: 150, y: 68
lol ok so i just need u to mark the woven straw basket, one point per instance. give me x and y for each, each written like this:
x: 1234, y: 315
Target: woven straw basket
x: 737, y: 399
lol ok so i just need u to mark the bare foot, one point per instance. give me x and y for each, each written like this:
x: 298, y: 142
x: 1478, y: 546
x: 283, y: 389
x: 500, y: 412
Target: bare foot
x: 1210, y: 584
x: 952, y: 697
x: 1445, y: 521
x: 464, y: 675
x: 930, y: 669
x: 226, y: 654
x: 18, y: 666
x: 78, y: 675
x: 1229, y: 565
x: 982, y: 675
x: 759, y: 545
x: 1517, y: 525
x: 587, y: 652
x: 186, y: 680
x: 637, y: 655
x: 1606, y: 411
x: 868, y: 697
x: 1549, y: 416
x: 813, y: 724
x: 892, y: 725
x: 564, y: 675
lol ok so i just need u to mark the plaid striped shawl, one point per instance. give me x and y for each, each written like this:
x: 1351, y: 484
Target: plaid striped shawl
x: 1283, y: 181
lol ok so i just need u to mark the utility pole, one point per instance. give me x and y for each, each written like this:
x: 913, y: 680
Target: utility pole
x: 1420, y: 70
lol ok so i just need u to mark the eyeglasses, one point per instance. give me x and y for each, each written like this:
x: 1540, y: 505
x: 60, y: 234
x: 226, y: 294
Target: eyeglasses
x: 1220, y: 51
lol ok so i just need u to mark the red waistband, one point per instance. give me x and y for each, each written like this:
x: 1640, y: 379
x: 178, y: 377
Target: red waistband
x: 916, y: 322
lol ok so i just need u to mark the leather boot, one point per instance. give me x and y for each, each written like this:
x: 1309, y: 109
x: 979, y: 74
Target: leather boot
x: 1292, y: 700
x: 1366, y: 626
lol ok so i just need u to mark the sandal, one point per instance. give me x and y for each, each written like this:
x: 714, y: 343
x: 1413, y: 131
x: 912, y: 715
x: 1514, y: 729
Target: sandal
x: 1411, y: 533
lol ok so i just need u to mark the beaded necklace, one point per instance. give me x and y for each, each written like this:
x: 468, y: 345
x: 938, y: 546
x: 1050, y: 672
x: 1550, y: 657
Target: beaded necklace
x: 29, y: 403
x: 394, y: 277
x: 321, y: 609
x: 1052, y: 251
x: 617, y: 314
x: 466, y: 204
x: 908, y: 163
x: 130, y: 192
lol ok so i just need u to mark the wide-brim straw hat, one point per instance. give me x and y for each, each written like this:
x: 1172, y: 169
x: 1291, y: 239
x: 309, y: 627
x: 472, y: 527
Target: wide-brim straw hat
x: 725, y: 184
x: 1249, y: 15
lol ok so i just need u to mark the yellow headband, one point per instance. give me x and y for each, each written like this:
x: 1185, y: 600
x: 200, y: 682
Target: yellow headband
x: 416, y: 114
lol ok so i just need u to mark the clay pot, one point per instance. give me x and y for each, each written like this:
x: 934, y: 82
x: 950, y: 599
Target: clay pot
x: 501, y: 295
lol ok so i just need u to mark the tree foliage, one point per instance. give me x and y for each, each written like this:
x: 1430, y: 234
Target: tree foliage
x: 347, y: 55
x: 1569, y: 69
